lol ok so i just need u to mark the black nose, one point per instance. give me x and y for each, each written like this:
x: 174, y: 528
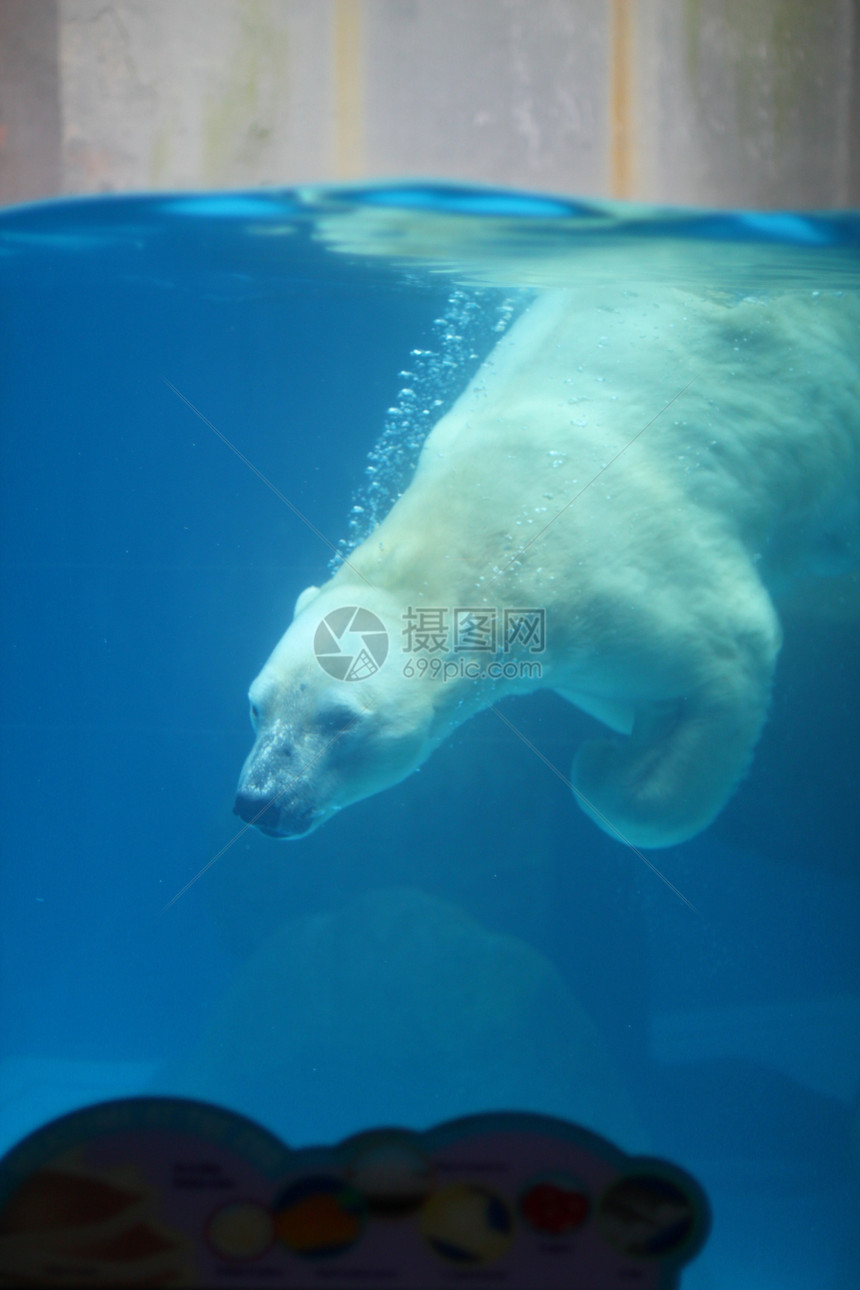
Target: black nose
x: 256, y: 809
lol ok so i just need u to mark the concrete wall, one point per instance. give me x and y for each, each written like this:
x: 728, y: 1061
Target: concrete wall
x: 30, y: 122
x: 721, y: 102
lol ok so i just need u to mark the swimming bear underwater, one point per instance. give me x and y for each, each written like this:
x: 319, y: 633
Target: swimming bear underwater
x: 610, y: 510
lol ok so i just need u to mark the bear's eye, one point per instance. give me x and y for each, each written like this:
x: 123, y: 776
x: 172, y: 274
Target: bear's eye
x: 338, y: 717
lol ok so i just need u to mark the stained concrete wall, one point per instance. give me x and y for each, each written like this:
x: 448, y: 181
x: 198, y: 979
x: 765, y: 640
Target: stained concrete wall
x: 30, y: 119
x: 720, y: 102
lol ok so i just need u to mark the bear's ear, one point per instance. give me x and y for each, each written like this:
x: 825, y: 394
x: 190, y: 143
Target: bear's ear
x: 309, y: 594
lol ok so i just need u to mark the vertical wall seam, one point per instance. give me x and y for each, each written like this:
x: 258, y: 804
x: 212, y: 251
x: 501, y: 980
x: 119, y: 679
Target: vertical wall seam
x: 348, y: 89
x: 621, y: 124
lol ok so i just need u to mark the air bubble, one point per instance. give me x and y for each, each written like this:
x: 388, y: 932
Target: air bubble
x: 468, y: 327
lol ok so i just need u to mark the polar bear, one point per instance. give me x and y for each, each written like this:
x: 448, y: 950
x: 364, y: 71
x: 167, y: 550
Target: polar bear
x: 610, y: 510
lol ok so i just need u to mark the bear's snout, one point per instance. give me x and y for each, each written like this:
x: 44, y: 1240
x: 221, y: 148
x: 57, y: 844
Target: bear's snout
x: 273, y: 816
x: 254, y: 808
x: 271, y: 796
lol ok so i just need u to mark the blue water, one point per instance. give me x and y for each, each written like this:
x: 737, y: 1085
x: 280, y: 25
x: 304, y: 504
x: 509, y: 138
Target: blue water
x: 357, y: 976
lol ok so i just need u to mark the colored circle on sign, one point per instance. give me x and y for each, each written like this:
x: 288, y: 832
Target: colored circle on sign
x: 319, y: 1216
x: 467, y: 1224
x: 646, y: 1215
x: 554, y: 1204
x: 393, y: 1175
x: 240, y: 1230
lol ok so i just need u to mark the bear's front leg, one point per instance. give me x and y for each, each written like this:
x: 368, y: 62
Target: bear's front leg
x: 669, y: 779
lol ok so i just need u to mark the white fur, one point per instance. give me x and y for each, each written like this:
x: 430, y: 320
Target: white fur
x: 656, y: 567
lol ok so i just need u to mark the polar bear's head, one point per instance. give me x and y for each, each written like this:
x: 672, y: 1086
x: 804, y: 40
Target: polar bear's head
x: 335, y: 718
